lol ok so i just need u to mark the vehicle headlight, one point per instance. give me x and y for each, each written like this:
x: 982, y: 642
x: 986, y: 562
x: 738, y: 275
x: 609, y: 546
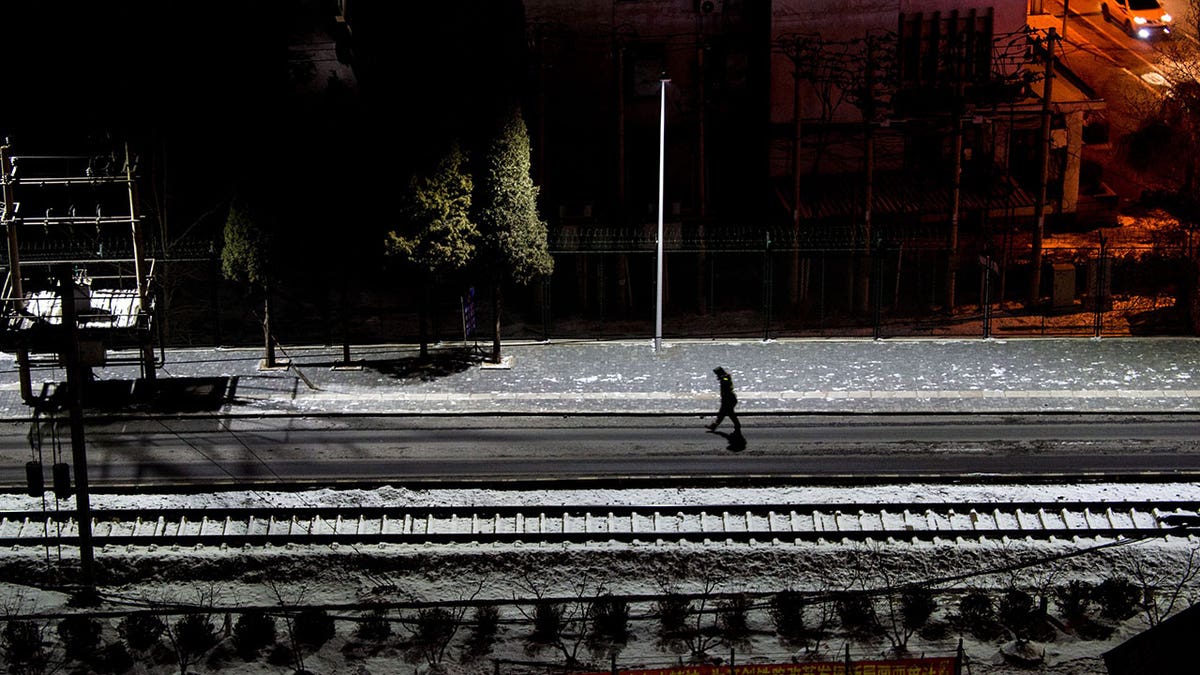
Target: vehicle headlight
x: 1139, y: 20
x: 1165, y: 18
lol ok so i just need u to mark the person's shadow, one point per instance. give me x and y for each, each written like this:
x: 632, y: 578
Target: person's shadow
x: 737, y: 442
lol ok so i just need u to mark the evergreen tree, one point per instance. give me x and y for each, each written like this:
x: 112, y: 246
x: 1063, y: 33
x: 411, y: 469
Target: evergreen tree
x: 441, y: 237
x: 514, y: 243
x: 245, y: 257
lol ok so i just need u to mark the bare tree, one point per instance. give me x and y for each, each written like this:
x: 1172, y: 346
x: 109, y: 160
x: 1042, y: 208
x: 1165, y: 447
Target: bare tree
x: 21, y: 640
x: 1163, y: 590
x: 825, y: 612
x: 290, y: 600
x: 561, y: 626
x: 485, y: 624
x: 733, y: 622
x: 869, y: 84
x: 689, y: 624
x: 609, y: 625
x: 192, y: 635
x: 430, y: 634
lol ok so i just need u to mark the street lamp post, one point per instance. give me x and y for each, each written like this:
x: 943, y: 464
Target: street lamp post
x: 662, y: 145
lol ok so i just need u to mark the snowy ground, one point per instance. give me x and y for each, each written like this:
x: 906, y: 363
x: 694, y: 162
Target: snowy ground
x: 407, y: 573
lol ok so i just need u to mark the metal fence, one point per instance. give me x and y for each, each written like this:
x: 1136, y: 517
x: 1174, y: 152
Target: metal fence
x: 768, y: 293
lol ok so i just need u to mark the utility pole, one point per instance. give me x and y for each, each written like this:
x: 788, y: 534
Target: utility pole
x: 621, y: 126
x: 797, y: 148
x: 702, y: 181
x: 540, y: 39
x: 14, y: 266
x: 145, y: 336
x: 958, y: 111
x: 1039, y: 207
x: 1098, y: 295
x: 75, y: 384
x: 869, y: 108
x: 662, y: 158
x: 801, y: 51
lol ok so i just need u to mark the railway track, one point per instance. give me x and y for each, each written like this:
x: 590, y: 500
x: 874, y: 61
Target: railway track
x: 784, y: 523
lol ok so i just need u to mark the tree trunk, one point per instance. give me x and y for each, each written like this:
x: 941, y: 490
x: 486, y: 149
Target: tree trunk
x: 344, y: 311
x: 794, y: 294
x: 268, y: 343
x: 867, y: 261
x: 423, y: 317
x: 496, y: 322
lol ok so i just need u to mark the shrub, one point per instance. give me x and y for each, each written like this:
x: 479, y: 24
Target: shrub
x: 610, y: 624
x: 787, y: 615
x: 80, y: 636
x: 141, y: 630
x: 431, y: 633
x: 1017, y: 611
x: 251, y: 633
x: 23, y: 647
x: 547, y: 625
x: 916, y: 606
x: 1074, y: 600
x: 935, y: 631
x: 281, y: 655
x: 485, y: 624
x: 731, y: 620
x: 194, y: 635
x: 978, y: 615
x: 673, y: 629
x: 1118, y: 598
x: 313, y: 628
x: 113, y: 659
x: 856, y: 612
x: 673, y: 612
x: 375, y: 627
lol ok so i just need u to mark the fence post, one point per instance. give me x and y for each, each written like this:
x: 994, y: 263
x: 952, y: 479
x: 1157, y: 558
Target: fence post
x: 1098, y: 321
x: 614, y: 663
x: 988, y: 265
x: 767, y: 290
x: 877, y: 285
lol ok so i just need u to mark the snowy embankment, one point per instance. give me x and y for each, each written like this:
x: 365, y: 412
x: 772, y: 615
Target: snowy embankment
x: 346, y: 576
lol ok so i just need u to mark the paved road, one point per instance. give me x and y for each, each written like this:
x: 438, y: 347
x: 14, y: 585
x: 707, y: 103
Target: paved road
x: 402, y: 449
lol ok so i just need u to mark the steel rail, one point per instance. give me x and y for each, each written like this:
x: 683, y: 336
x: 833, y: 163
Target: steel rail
x: 241, y: 527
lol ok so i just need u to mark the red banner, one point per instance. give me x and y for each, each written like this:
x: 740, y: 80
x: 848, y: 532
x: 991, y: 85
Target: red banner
x: 931, y: 666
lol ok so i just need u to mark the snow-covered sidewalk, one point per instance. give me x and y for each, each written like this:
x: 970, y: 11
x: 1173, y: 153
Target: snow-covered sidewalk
x: 1022, y: 375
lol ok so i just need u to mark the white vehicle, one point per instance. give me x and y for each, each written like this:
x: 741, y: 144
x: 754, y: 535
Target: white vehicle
x: 1139, y: 18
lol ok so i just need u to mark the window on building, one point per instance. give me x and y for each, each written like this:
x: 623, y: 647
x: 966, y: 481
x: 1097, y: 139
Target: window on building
x: 938, y: 49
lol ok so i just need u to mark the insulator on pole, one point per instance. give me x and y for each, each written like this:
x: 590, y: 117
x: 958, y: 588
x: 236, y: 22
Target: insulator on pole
x: 62, y: 480
x: 34, y: 481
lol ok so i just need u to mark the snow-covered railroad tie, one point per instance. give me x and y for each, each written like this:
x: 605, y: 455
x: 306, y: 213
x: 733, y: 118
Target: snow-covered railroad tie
x: 782, y: 523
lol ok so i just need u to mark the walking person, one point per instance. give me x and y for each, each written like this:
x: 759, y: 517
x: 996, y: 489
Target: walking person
x: 728, y: 402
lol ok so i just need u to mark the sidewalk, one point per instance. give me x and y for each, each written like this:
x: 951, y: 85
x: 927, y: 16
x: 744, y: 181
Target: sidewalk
x: 786, y: 376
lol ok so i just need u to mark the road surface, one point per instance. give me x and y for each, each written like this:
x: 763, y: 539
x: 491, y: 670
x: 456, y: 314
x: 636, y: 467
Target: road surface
x: 403, y: 450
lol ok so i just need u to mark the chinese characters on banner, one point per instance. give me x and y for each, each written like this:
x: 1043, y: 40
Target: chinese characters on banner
x: 928, y: 666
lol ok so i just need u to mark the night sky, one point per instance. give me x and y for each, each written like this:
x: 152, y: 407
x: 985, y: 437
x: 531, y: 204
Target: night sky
x: 205, y: 94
